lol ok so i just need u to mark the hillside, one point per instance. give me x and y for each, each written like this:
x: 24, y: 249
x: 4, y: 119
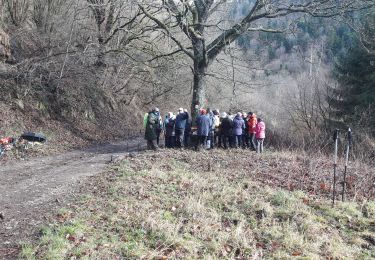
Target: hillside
x: 218, y: 204
x: 85, y: 72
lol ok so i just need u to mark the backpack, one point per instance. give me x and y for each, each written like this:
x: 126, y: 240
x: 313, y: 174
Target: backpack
x: 145, y: 119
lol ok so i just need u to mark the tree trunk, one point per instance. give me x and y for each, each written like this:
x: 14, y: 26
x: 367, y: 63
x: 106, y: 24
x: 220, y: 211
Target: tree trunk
x: 100, y: 60
x: 199, y: 86
x: 5, y: 52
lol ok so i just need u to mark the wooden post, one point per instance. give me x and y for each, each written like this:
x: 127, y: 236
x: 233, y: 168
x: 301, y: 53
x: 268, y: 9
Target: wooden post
x: 346, y: 162
x: 335, y: 138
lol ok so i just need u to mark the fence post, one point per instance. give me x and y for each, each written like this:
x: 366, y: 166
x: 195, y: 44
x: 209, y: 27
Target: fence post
x: 335, y: 138
x: 346, y: 162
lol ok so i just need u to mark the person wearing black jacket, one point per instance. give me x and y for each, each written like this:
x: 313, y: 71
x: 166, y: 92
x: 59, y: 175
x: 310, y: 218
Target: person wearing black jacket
x: 226, y: 130
x: 187, y: 132
x: 169, y: 130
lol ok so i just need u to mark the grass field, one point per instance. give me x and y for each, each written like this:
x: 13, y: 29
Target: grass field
x: 182, y: 204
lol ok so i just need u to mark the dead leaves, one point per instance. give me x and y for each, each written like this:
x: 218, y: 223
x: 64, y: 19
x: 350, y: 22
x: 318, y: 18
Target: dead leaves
x: 306, y: 201
x: 64, y: 216
x: 296, y: 253
x: 324, y: 187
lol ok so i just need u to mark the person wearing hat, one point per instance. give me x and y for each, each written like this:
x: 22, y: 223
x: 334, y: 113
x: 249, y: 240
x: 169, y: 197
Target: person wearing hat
x: 150, y: 132
x: 180, y: 125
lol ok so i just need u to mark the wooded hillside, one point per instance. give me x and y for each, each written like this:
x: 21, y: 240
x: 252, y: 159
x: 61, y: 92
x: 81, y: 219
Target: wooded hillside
x: 95, y: 66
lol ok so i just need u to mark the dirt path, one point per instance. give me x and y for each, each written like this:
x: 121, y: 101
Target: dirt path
x: 31, y: 190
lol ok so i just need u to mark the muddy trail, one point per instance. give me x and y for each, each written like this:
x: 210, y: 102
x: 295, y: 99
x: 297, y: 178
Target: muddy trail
x: 33, y: 189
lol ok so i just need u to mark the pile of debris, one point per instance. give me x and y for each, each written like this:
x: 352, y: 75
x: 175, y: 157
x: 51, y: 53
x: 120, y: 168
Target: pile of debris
x: 21, y: 143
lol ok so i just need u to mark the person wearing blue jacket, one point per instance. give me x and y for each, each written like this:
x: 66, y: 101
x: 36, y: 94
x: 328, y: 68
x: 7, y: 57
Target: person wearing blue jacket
x: 180, y: 125
x: 204, y: 124
x: 238, y: 128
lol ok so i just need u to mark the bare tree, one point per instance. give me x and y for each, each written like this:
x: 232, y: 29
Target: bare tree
x: 17, y: 10
x: 43, y: 13
x: 116, y: 23
x: 193, y: 18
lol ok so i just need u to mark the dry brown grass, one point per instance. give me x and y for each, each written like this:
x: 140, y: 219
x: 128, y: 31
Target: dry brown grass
x: 210, y: 205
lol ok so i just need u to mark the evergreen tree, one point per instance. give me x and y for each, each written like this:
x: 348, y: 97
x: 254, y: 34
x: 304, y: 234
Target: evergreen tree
x: 353, y: 101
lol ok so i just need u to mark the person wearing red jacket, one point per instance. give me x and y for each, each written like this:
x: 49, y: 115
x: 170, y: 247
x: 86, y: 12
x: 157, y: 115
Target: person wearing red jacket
x: 251, y: 126
x: 260, y: 134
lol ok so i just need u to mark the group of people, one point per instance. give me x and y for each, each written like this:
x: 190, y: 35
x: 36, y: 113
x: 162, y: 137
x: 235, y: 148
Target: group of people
x: 210, y: 129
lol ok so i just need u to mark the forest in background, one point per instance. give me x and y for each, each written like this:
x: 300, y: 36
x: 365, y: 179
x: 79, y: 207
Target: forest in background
x: 96, y: 66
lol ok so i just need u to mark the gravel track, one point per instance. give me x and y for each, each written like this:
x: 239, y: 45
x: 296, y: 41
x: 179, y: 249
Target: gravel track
x: 31, y: 190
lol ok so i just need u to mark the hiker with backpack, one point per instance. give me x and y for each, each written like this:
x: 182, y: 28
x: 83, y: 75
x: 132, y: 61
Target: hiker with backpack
x: 151, y: 125
x: 145, y: 118
x: 260, y: 134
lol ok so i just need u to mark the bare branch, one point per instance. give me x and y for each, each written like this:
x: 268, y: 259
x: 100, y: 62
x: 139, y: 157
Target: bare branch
x: 164, y: 27
x: 164, y: 55
x: 261, y: 29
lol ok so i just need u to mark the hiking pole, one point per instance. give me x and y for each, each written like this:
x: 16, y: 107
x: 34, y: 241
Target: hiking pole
x: 346, y: 161
x: 335, y: 138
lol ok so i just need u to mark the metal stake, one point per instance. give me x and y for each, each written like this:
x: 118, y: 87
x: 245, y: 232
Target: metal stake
x: 346, y: 162
x: 335, y: 138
